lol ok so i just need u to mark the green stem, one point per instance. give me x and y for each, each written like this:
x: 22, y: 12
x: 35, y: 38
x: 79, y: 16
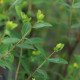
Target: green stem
x: 70, y: 24
x: 30, y: 6
x: 18, y: 64
x: 10, y: 75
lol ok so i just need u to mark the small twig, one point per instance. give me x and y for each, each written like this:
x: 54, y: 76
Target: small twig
x: 40, y: 66
x: 18, y: 65
x: 30, y: 6
x: 35, y: 24
x: 70, y: 19
x: 19, y: 41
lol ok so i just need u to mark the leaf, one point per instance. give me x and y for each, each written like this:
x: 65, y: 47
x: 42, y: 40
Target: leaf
x: 75, y: 26
x: 36, y: 40
x: 42, y: 72
x: 77, y: 57
x: 2, y: 16
x: 15, y: 34
x: 26, y: 28
x: 4, y: 48
x: 76, y: 71
x: 38, y: 1
x: 26, y: 66
x: 4, y: 64
x: 18, y: 2
x: 42, y: 24
x: 25, y: 46
x: 10, y: 40
x: 59, y: 75
x: 14, y: 26
x: 18, y: 10
x: 58, y: 60
x: 76, y: 5
x: 42, y: 52
x: 63, y: 3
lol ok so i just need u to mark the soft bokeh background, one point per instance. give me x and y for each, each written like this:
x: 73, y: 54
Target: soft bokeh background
x: 61, y: 16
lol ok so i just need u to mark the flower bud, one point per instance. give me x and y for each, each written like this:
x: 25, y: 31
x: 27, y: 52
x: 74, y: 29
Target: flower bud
x: 75, y: 65
x: 10, y: 25
x: 1, y: 1
x: 34, y: 52
x: 40, y: 16
x: 58, y: 47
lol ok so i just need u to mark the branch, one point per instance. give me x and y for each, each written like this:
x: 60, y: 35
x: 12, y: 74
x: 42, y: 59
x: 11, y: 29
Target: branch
x: 40, y: 66
x: 18, y: 41
x: 18, y: 65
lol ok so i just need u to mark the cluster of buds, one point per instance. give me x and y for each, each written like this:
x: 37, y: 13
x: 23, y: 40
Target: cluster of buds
x: 40, y: 16
x: 25, y: 18
x: 58, y: 47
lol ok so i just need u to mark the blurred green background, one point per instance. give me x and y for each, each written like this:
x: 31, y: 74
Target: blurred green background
x: 62, y: 15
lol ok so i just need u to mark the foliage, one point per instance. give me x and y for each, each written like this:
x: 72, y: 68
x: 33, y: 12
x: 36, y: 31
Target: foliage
x: 29, y: 31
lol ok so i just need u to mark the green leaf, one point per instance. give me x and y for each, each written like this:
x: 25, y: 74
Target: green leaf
x: 59, y: 75
x: 63, y: 3
x: 42, y: 52
x: 26, y: 66
x: 26, y: 28
x: 18, y: 10
x: 25, y: 46
x: 17, y: 2
x: 42, y: 24
x: 76, y: 71
x: 58, y: 60
x: 77, y: 57
x: 15, y: 34
x: 38, y: 1
x: 36, y: 40
x: 4, y: 48
x: 42, y: 72
x: 5, y: 64
x: 28, y: 41
x: 76, y: 5
x: 14, y: 26
x: 10, y: 40
x: 2, y: 16
x: 75, y: 26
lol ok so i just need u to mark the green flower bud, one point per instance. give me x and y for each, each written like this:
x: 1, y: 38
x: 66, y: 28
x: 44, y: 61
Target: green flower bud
x: 58, y: 47
x: 33, y: 79
x: 40, y: 16
x: 36, y: 52
x: 1, y: 1
x: 25, y: 18
x: 75, y: 65
x: 10, y: 25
